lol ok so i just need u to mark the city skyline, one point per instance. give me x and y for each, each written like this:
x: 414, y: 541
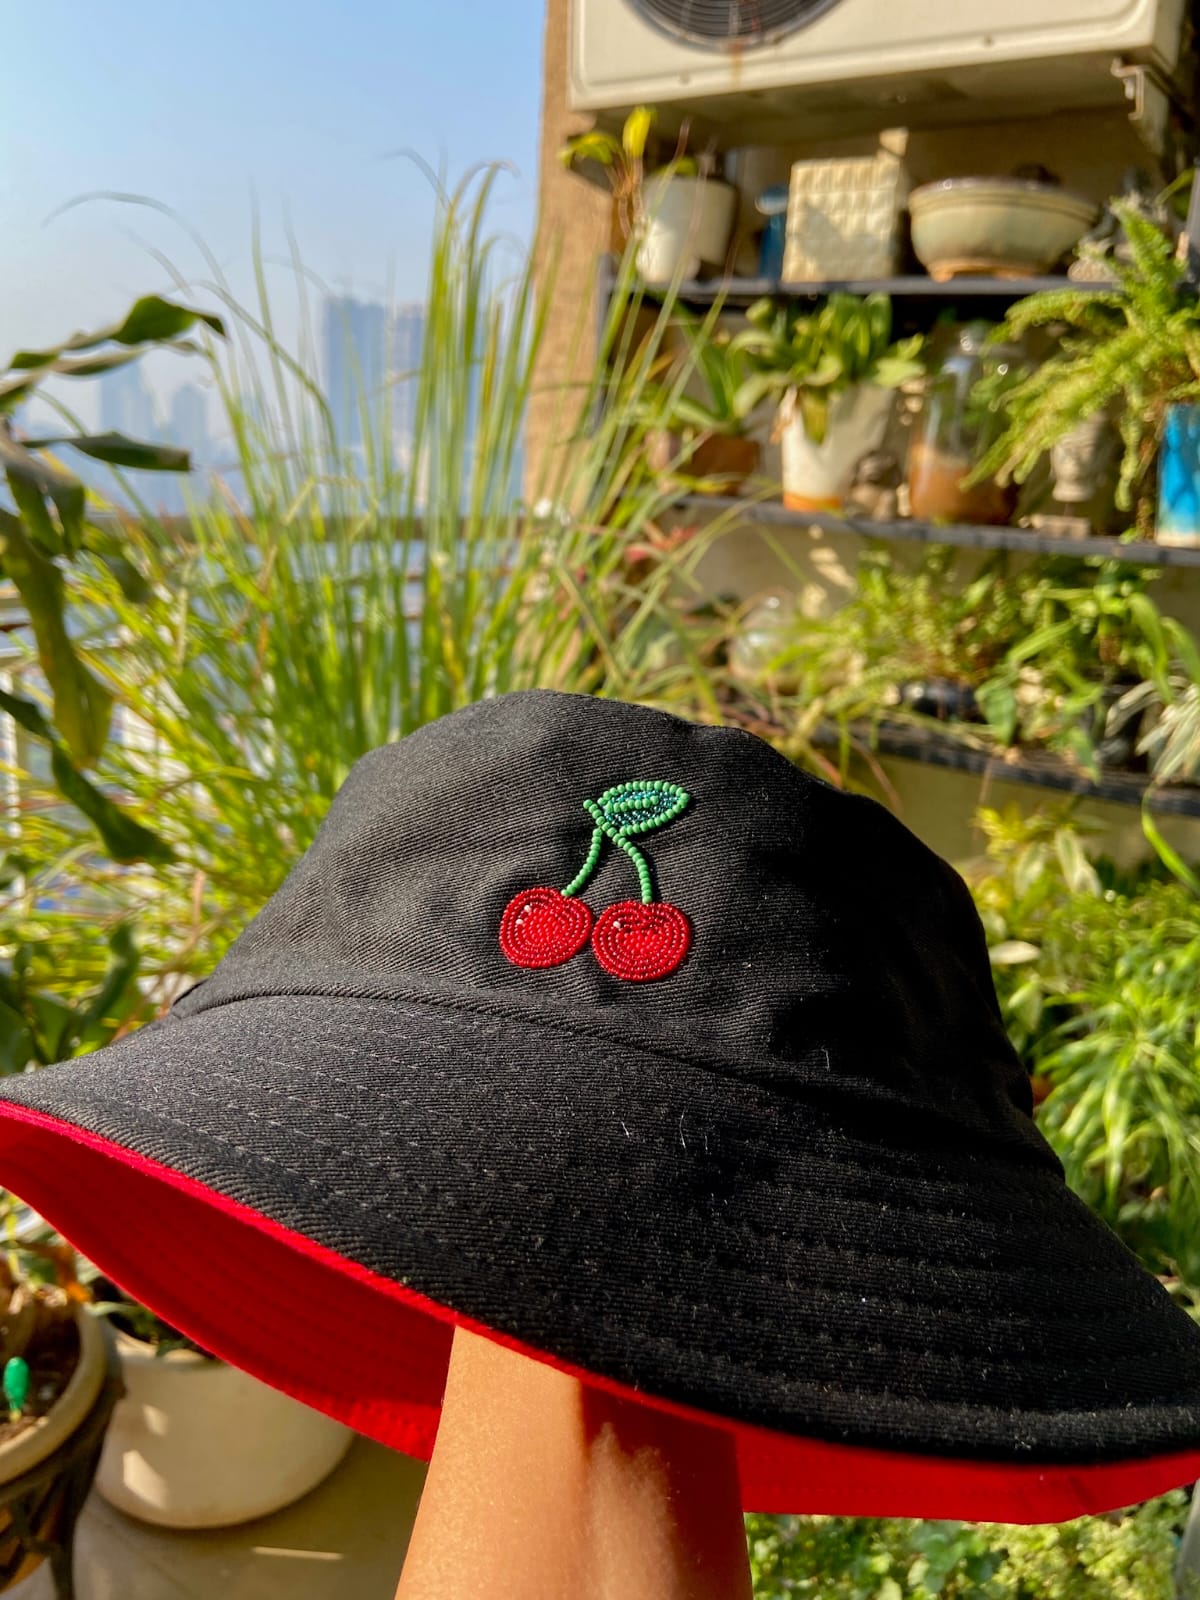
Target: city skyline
x: 299, y: 136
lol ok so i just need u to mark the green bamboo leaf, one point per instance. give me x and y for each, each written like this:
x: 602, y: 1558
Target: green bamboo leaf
x: 120, y: 451
x: 125, y: 839
x: 150, y: 320
x: 639, y: 807
x: 116, y: 994
x: 24, y: 470
x: 16, y: 1042
x: 82, y: 706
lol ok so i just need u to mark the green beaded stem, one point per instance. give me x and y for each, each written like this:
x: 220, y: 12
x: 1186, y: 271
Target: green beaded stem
x: 589, y: 866
x: 625, y: 809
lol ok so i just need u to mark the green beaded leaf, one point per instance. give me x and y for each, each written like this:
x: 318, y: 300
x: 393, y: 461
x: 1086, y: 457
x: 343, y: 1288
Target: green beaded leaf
x: 632, y: 808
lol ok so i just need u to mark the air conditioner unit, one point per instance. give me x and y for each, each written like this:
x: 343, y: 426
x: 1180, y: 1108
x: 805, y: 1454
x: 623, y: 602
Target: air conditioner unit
x: 790, y: 67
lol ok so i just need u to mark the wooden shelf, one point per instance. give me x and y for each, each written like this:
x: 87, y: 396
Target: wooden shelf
x: 1139, y: 551
x: 917, y: 300
x: 975, y: 292
x: 911, y: 742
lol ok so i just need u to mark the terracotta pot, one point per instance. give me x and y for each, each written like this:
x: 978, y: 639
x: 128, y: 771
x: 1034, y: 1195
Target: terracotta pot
x: 29, y: 1449
x: 723, y: 455
x: 937, y: 492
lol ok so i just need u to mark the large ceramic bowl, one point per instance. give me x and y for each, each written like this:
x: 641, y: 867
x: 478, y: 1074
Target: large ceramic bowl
x: 1006, y: 227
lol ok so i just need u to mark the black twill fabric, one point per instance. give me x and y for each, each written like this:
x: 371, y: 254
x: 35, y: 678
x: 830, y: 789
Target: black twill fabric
x: 794, y: 1182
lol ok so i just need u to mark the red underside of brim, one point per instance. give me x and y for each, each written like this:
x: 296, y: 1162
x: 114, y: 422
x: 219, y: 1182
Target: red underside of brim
x: 373, y: 1354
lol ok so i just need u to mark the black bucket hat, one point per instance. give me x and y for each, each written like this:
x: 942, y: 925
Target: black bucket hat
x: 629, y: 1044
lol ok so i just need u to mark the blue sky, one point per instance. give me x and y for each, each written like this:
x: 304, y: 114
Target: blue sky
x: 215, y: 109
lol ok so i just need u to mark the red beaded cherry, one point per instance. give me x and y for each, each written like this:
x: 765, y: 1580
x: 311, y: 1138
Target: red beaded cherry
x: 639, y: 941
x: 544, y: 927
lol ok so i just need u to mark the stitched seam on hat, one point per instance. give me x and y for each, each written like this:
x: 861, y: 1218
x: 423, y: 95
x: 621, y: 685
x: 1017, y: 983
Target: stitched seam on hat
x: 614, y: 1180
x: 563, y: 1024
x: 633, y: 1330
x: 729, y: 1138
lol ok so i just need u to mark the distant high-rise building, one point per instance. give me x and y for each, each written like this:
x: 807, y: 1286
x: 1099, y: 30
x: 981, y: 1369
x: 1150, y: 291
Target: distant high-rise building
x: 354, y: 340
x: 188, y: 426
x: 408, y: 337
x: 126, y: 405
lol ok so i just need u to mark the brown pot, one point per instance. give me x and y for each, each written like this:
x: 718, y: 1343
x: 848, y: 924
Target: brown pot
x: 727, y: 456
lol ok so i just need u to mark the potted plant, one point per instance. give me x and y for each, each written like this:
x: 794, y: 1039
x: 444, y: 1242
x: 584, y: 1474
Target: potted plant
x: 196, y: 1443
x: 1133, y: 350
x: 701, y: 433
x: 1095, y: 971
x: 680, y: 217
x: 53, y: 1360
x: 914, y: 642
x: 1075, y: 678
x: 833, y: 371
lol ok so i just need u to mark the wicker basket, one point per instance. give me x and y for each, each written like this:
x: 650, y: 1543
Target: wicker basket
x: 845, y: 215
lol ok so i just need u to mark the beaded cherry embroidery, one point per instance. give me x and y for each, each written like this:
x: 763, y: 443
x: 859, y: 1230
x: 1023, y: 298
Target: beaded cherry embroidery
x: 635, y: 939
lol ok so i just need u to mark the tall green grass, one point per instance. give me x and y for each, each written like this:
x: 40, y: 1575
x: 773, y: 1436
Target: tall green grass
x: 327, y: 602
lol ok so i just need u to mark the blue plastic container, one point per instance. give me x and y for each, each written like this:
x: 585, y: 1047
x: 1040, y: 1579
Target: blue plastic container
x: 1179, y: 477
x: 773, y: 203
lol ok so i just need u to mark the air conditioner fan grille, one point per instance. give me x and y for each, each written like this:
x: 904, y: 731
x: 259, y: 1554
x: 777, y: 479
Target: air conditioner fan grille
x: 732, y: 22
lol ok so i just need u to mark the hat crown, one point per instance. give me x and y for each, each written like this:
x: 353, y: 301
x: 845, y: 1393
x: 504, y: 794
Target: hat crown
x: 828, y: 944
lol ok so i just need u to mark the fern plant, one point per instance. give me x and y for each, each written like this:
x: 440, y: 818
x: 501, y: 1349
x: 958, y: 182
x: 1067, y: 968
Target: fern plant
x: 1133, y: 348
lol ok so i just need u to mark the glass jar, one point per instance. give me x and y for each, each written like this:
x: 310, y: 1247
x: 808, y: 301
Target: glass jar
x: 956, y: 426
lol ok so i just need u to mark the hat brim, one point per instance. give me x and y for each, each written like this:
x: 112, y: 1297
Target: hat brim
x: 318, y: 1189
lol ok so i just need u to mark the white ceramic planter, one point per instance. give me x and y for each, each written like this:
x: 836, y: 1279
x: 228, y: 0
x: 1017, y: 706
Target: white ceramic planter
x: 688, y: 221
x: 199, y: 1444
x: 817, y: 477
x: 24, y: 1453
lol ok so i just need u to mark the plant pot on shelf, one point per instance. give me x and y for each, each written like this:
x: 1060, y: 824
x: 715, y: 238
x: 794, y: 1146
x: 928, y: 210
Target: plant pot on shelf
x: 943, y: 698
x: 729, y: 459
x: 1007, y: 227
x: 725, y: 456
x: 196, y: 1443
x: 1179, y: 478
x: 688, y: 222
x: 817, y: 477
x: 44, y: 1509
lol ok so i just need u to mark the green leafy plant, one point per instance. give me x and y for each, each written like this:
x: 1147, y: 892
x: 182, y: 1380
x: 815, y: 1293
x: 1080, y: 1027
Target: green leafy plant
x: 1129, y: 1555
x: 901, y: 627
x: 331, y: 603
x: 1085, y: 637
x: 42, y: 1021
x: 44, y: 530
x: 1134, y: 348
x: 719, y: 369
x: 819, y: 354
x: 623, y: 158
x: 45, y: 524
x: 1095, y: 970
x: 132, y: 1318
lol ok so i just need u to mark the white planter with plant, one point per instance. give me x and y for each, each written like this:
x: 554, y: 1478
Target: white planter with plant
x: 834, y: 372
x: 196, y: 1443
x: 818, y: 471
x: 687, y: 222
x: 680, y: 217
